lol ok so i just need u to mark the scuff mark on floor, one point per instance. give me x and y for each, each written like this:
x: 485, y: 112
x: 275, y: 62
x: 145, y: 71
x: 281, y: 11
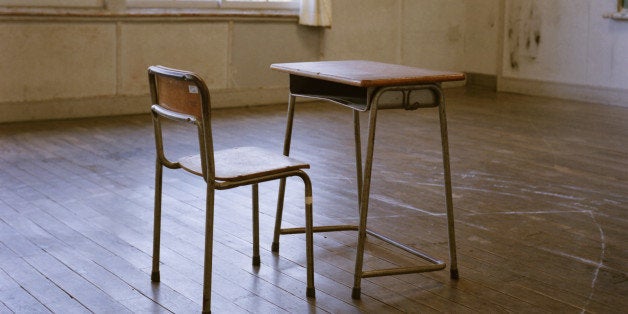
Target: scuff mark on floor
x: 392, y: 201
x: 601, y: 262
x: 598, y: 265
x: 526, y: 212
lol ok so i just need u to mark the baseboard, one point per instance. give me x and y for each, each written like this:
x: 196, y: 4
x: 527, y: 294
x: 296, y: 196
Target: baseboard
x: 602, y: 95
x: 72, y: 108
x: 122, y: 105
x: 137, y: 104
x: 487, y: 81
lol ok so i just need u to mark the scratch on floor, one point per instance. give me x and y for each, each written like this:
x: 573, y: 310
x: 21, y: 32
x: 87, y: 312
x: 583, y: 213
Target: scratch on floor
x: 597, y: 264
x: 395, y: 202
x: 600, y: 264
x: 527, y: 212
x: 465, y: 188
x: 563, y: 196
x: 571, y: 256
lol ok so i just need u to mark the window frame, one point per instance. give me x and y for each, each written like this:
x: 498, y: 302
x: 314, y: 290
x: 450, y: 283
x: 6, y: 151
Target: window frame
x: 216, y: 4
x: 268, y: 4
x: 53, y: 3
x: 155, y: 4
x: 199, y: 4
x: 622, y: 11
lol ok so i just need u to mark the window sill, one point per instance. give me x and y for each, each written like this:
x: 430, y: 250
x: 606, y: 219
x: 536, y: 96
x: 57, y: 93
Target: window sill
x: 144, y: 14
x: 618, y: 16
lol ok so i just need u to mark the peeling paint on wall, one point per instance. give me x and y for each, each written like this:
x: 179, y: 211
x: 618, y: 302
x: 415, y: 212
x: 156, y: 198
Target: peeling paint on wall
x: 524, y: 33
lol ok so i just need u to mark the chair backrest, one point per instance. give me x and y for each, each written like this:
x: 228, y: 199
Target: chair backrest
x: 182, y: 96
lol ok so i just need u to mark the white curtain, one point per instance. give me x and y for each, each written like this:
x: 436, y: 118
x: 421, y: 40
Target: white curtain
x: 315, y: 13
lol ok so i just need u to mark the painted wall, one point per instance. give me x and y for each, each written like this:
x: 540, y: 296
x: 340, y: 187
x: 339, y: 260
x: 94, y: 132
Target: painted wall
x: 77, y: 67
x: 565, y: 48
x: 482, y: 29
x: 440, y: 34
x: 73, y: 67
x: 556, y: 48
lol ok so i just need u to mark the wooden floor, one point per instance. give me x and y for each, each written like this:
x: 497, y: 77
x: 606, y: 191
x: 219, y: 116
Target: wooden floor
x: 540, y: 196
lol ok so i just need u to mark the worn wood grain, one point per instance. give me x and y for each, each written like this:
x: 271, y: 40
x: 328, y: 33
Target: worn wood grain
x: 540, y: 191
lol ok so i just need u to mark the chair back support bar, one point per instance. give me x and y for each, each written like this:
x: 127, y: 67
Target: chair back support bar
x: 179, y: 94
x: 182, y: 96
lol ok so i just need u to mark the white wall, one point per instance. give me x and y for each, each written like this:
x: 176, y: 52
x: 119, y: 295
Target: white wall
x: 439, y: 34
x: 363, y: 29
x: 40, y: 61
x: 75, y: 67
x: 565, y: 48
x: 78, y: 67
x: 482, y: 29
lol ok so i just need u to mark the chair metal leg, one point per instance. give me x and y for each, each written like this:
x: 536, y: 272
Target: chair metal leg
x: 282, y: 182
x: 309, y: 235
x: 209, y: 244
x: 256, y: 258
x: 278, y: 215
x: 364, y: 201
x: 154, y: 276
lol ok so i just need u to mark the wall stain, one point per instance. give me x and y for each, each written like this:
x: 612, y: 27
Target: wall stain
x: 524, y: 33
x: 454, y: 34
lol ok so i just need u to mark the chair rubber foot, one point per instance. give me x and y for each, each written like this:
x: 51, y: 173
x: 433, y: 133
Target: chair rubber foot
x: 275, y: 247
x: 154, y: 276
x: 256, y: 261
x: 454, y: 273
x: 206, y: 312
x: 310, y: 292
x: 356, y: 293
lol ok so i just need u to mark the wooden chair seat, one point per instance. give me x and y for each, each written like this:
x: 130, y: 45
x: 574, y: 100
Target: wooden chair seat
x: 244, y: 163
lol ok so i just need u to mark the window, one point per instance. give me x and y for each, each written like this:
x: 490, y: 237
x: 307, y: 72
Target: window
x: 622, y: 11
x: 266, y: 4
x: 52, y: 3
x: 227, y: 4
x: 173, y: 3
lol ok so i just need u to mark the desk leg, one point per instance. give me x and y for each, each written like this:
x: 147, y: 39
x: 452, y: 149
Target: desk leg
x: 453, y: 268
x: 364, y: 204
x: 358, y: 154
x: 282, y: 182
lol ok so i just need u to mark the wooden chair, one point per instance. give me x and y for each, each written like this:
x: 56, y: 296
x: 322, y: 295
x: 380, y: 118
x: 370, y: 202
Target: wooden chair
x: 183, y: 96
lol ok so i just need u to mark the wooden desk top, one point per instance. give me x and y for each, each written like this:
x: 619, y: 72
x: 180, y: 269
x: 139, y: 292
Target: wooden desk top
x: 366, y: 73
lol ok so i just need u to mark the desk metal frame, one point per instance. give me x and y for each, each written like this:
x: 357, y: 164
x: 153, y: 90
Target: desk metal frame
x: 360, y: 100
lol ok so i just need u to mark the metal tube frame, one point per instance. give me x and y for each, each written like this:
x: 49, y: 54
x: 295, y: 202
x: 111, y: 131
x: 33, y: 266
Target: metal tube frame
x: 212, y: 185
x: 364, y: 184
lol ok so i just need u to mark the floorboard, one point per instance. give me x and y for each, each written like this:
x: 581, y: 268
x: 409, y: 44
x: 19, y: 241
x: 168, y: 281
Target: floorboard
x: 540, y: 191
